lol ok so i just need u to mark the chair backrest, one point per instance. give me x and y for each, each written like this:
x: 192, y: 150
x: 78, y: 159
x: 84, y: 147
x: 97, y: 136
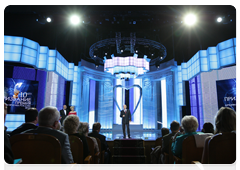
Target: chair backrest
x: 36, y: 148
x: 158, y: 142
x: 76, y: 148
x: 170, y: 159
x: 99, y: 144
x: 91, y: 147
x: 222, y: 148
x: 190, y: 152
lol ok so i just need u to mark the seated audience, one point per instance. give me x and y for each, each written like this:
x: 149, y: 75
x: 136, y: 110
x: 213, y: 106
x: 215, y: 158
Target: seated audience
x: 104, y: 146
x: 208, y: 128
x: 175, y: 127
x: 8, y: 154
x: 70, y: 125
x: 84, y: 129
x: 225, y: 121
x: 190, y: 125
x: 31, y: 119
x: 48, y: 119
x: 164, y: 131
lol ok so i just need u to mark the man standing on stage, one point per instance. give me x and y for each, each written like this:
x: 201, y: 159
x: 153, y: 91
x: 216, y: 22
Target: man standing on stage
x: 126, y: 118
x: 63, y: 113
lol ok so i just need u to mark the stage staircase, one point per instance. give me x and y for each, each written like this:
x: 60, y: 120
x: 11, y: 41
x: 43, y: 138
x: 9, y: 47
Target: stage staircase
x: 129, y: 151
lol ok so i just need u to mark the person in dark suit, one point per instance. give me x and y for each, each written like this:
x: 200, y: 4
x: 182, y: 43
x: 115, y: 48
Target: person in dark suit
x: 126, y: 118
x: 70, y: 126
x: 8, y: 154
x: 63, y: 113
x: 31, y: 119
x: 48, y: 119
x: 104, y: 146
x: 175, y: 127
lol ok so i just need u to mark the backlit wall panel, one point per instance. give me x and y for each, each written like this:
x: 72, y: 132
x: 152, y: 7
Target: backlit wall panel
x: 209, y: 91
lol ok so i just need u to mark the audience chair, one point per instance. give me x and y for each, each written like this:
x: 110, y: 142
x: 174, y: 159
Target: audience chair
x: 36, y: 148
x: 77, y: 150
x: 96, y: 156
x: 220, y: 149
x: 158, y: 142
x: 102, y: 152
x: 168, y: 157
x: 190, y: 152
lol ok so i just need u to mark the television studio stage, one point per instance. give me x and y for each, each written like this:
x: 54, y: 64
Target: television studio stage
x: 155, y: 95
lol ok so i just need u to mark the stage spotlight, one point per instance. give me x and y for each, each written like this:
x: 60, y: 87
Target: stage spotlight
x: 94, y: 56
x: 136, y: 51
x: 161, y: 57
x: 190, y: 19
x: 105, y: 53
x: 49, y: 19
x: 121, y: 51
x: 74, y: 19
x: 219, y: 19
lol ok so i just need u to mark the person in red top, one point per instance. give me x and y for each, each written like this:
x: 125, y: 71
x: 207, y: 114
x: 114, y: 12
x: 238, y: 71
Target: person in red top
x: 72, y: 112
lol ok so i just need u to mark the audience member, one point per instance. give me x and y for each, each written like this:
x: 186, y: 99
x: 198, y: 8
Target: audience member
x: 8, y: 154
x: 63, y: 113
x: 104, y: 146
x: 48, y: 119
x: 164, y: 131
x: 190, y: 125
x: 70, y: 126
x: 175, y: 127
x: 31, y: 119
x: 208, y: 128
x: 84, y: 129
x: 225, y: 121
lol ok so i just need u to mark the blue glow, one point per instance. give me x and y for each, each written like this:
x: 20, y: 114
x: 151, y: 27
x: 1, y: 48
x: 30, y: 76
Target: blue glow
x: 12, y: 57
x: 44, y: 49
x: 30, y: 43
x: 13, y: 40
x: 29, y: 60
x: 225, y: 44
x: 12, y: 48
x: 29, y: 51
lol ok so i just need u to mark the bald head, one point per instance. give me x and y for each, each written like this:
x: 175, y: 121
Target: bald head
x: 48, y: 117
x: 124, y: 106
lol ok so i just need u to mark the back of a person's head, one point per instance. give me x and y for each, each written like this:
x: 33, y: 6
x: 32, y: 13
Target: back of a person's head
x: 189, y: 123
x: 31, y: 115
x: 83, y: 128
x: 96, y: 126
x: 208, y: 128
x: 48, y: 116
x: 71, y: 124
x: 174, y: 126
x: 225, y: 120
x: 164, y: 131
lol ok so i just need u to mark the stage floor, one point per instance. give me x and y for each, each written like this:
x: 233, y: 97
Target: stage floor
x: 143, y: 134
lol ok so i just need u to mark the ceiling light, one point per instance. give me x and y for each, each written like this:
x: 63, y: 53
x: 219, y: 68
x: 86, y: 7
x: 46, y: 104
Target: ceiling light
x: 190, y: 19
x: 49, y: 19
x: 219, y: 19
x: 74, y: 19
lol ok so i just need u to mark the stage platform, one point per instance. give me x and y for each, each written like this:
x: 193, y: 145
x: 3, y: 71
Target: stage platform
x: 136, y: 132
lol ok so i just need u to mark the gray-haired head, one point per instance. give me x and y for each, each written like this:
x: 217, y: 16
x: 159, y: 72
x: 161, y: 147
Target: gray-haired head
x: 83, y: 128
x: 48, y: 117
x: 189, y: 123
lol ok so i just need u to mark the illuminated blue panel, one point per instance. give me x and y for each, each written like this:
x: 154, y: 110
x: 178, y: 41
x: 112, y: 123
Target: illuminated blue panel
x: 12, y: 48
x: 29, y: 60
x: 15, y: 117
x: 225, y: 44
x: 43, y: 49
x: 227, y: 60
x: 12, y: 57
x: 30, y: 43
x: 212, y: 50
x: 52, y: 53
x: 226, y: 53
x: 13, y: 40
x: 29, y: 51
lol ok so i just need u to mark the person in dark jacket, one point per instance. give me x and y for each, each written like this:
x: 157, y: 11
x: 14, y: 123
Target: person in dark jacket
x: 31, y: 119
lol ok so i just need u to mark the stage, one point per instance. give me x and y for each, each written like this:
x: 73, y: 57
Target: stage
x: 136, y: 132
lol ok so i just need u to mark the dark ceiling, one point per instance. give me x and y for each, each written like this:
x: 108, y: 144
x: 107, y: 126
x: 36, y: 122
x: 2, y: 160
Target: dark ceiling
x: 158, y: 23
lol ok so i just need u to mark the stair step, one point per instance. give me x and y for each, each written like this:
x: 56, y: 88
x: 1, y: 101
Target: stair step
x: 129, y: 167
x: 129, y: 150
x: 128, y: 143
x: 129, y: 159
